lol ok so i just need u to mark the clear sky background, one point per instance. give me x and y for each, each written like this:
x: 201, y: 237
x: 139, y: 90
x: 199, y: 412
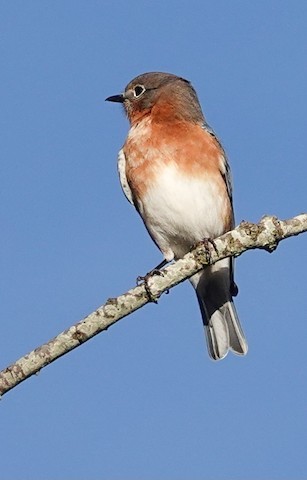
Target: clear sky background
x: 143, y: 401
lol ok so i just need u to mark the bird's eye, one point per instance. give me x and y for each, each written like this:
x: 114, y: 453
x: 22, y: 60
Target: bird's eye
x: 138, y: 90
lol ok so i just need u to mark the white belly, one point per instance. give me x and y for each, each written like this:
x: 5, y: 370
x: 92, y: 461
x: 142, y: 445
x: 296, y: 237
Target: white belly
x: 180, y: 212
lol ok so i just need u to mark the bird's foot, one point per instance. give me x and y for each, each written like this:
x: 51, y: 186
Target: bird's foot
x: 144, y: 279
x: 206, y: 242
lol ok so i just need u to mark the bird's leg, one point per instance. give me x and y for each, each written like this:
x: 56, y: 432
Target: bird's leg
x: 154, y: 271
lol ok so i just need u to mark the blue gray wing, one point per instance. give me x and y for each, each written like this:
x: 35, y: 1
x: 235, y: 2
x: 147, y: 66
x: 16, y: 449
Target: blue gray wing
x: 226, y: 174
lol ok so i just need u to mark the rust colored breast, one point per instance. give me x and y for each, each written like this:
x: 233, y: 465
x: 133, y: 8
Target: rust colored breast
x: 155, y: 143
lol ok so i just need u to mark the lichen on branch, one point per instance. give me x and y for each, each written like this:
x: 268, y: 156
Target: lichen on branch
x: 264, y: 235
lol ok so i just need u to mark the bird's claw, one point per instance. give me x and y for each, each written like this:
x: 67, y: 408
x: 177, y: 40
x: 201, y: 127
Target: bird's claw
x: 148, y: 275
x: 206, y: 242
x: 144, y: 279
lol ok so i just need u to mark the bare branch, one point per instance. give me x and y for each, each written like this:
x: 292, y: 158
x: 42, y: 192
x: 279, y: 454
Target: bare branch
x: 264, y: 235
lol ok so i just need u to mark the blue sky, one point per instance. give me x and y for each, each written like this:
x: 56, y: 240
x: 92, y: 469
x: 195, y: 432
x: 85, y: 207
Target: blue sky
x: 143, y: 400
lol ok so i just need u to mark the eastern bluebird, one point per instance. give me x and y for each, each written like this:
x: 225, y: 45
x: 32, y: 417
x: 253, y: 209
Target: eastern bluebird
x: 174, y: 170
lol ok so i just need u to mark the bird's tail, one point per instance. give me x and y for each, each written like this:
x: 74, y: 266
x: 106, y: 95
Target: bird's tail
x: 223, y: 329
x: 220, y: 318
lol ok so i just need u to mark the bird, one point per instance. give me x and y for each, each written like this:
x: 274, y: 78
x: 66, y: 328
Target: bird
x: 174, y: 171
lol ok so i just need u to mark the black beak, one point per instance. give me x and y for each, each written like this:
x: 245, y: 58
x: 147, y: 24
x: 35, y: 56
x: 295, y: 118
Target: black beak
x: 116, y: 98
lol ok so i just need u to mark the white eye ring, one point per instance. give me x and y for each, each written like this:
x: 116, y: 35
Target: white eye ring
x: 138, y: 90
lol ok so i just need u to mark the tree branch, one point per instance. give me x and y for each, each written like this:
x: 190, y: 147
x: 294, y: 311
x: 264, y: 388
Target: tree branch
x: 264, y: 235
